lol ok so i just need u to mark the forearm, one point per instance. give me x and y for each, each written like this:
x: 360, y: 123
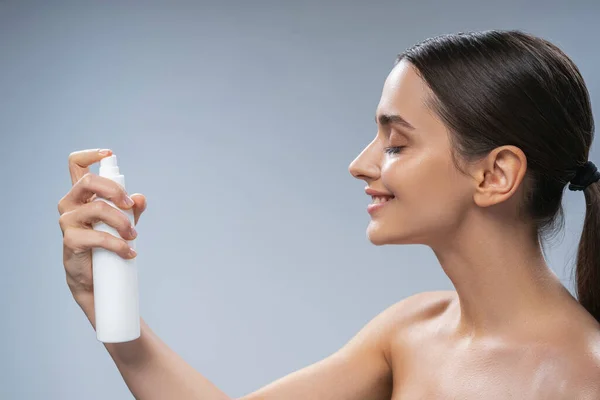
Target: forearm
x: 152, y: 370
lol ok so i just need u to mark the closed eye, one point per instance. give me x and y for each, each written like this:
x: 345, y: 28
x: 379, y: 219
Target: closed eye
x: 394, y: 150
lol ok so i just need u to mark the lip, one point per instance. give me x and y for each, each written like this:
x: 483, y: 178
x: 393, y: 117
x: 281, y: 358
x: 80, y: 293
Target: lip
x: 371, y: 208
x: 373, y: 192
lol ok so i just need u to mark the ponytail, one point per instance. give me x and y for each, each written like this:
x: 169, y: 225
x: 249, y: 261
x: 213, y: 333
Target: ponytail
x: 587, y: 272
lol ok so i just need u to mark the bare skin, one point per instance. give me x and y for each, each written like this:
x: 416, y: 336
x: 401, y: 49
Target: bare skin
x: 510, y: 330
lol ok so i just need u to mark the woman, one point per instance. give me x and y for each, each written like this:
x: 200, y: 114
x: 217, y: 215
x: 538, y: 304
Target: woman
x: 477, y: 136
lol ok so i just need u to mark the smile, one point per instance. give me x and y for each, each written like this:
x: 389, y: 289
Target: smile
x: 381, y: 199
x: 378, y: 203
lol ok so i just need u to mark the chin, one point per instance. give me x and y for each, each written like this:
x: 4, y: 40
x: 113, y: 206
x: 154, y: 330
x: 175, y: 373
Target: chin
x: 382, y: 234
x: 379, y: 236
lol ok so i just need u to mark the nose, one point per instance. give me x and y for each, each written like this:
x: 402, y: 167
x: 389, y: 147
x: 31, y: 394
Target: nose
x: 366, y: 165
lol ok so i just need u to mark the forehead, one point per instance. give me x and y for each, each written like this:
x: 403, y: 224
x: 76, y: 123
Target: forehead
x: 404, y: 92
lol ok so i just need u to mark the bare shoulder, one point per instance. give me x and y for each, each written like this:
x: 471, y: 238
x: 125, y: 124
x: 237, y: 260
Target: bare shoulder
x: 571, y: 370
x: 587, y: 376
x: 419, y: 307
x: 411, y: 311
x: 361, y: 368
x: 562, y: 358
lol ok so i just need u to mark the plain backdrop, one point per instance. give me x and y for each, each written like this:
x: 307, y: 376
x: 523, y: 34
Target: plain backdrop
x: 237, y: 120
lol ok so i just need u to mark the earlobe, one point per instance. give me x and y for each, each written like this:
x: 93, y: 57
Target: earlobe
x: 501, y: 174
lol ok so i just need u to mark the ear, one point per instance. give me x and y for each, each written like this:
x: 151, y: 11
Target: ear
x: 499, y: 175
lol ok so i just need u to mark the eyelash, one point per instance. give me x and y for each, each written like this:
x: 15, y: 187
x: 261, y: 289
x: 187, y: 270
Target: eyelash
x: 393, y: 150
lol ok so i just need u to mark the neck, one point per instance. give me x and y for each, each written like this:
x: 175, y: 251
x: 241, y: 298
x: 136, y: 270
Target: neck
x: 500, y: 275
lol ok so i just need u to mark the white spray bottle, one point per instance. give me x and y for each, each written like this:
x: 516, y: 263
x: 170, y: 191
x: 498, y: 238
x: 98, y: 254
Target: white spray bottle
x: 116, y: 299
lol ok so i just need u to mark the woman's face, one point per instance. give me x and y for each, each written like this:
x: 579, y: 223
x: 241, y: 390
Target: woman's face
x: 410, y: 159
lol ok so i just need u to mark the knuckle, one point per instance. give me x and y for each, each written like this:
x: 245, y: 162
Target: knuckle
x: 62, y: 222
x: 124, y: 247
x: 87, y: 179
x: 104, y: 241
x: 125, y: 222
x: 99, y: 207
x: 110, y: 189
x: 117, y: 192
x: 60, y: 206
x: 69, y: 239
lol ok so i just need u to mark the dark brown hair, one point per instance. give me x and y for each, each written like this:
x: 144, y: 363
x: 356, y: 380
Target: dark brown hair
x: 495, y: 88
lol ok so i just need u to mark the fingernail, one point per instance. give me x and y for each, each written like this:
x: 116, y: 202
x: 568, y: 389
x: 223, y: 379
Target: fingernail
x: 133, y: 232
x: 104, y: 152
x: 132, y: 252
x: 129, y: 201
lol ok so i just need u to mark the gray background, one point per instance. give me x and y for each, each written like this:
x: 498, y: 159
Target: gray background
x: 238, y: 121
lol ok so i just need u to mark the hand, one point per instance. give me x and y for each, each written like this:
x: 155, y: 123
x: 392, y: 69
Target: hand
x: 78, y: 213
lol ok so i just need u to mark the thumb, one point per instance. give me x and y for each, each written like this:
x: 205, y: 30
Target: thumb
x: 139, y: 205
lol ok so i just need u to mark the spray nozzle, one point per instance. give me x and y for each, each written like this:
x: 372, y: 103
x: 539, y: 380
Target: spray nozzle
x: 108, y: 166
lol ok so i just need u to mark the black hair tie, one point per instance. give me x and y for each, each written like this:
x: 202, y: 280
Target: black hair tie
x: 585, y: 176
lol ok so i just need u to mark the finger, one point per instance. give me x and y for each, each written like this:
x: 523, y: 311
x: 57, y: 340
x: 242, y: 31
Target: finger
x: 98, y: 211
x: 91, y: 184
x: 79, y: 161
x: 80, y: 240
x: 139, y: 207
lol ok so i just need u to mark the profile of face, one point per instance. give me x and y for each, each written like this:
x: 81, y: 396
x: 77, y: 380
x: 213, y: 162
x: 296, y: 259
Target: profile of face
x: 410, y: 159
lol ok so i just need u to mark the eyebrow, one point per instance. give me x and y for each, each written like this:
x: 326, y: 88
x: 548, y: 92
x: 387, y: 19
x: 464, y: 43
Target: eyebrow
x: 387, y: 119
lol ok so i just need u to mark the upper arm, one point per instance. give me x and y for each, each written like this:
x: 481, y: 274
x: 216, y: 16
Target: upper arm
x: 359, y: 370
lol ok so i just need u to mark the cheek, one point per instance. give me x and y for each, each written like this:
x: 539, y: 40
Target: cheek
x: 408, y: 176
x: 429, y: 183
